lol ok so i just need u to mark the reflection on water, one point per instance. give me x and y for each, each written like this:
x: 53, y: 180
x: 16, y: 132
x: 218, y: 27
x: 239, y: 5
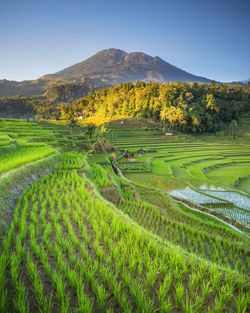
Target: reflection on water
x: 232, y: 204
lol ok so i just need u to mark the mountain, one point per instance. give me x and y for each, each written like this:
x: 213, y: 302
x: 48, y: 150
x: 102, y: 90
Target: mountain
x: 55, y: 90
x: 107, y: 67
x: 115, y: 66
x: 246, y: 81
x: 26, y: 87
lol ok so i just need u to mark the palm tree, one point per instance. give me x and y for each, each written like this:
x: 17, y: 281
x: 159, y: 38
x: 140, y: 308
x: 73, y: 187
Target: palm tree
x: 163, y: 117
x: 90, y: 130
x: 233, y: 125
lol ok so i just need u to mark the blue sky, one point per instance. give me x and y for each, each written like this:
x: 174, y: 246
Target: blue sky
x: 208, y: 38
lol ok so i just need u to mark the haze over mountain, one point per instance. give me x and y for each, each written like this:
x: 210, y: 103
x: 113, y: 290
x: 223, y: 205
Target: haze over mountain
x: 107, y: 67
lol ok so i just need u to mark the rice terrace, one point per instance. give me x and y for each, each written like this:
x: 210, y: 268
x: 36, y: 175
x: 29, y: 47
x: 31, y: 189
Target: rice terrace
x: 125, y: 172
x: 162, y: 226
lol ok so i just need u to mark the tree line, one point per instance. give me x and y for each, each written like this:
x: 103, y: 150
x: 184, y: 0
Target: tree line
x: 177, y: 106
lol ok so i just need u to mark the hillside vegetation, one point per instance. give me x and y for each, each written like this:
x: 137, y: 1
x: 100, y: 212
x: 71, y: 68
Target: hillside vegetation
x: 192, y: 108
x: 45, y: 103
x: 177, y: 106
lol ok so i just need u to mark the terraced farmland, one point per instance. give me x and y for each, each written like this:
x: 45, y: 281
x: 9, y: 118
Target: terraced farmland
x: 28, y: 150
x: 19, y: 150
x: 182, y: 167
x: 80, y: 237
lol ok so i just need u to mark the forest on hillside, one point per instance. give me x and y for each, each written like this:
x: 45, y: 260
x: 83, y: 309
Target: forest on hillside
x: 178, y: 106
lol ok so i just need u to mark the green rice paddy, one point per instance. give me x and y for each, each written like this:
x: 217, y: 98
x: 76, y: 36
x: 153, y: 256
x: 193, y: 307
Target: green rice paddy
x: 168, y: 233
x: 181, y: 165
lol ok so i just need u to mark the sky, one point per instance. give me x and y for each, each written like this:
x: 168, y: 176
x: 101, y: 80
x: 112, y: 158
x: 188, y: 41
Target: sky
x: 207, y: 38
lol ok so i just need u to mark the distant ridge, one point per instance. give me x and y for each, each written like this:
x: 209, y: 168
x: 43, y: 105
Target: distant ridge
x: 106, y: 67
x: 246, y: 81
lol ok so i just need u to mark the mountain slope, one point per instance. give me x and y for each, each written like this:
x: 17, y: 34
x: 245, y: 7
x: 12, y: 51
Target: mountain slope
x: 26, y: 87
x: 54, y: 89
x: 116, y: 66
x: 107, y: 67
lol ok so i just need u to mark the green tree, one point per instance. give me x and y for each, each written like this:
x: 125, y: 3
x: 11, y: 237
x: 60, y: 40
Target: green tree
x: 90, y: 130
x: 211, y: 103
x: 233, y: 125
x: 72, y: 123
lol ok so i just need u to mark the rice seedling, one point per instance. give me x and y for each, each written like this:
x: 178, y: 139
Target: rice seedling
x: 242, y: 303
x: 44, y: 303
x: 179, y: 294
x: 23, y: 156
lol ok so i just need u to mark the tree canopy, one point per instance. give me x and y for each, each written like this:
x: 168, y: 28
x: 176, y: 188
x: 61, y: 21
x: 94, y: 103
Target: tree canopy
x: 178, y: 106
